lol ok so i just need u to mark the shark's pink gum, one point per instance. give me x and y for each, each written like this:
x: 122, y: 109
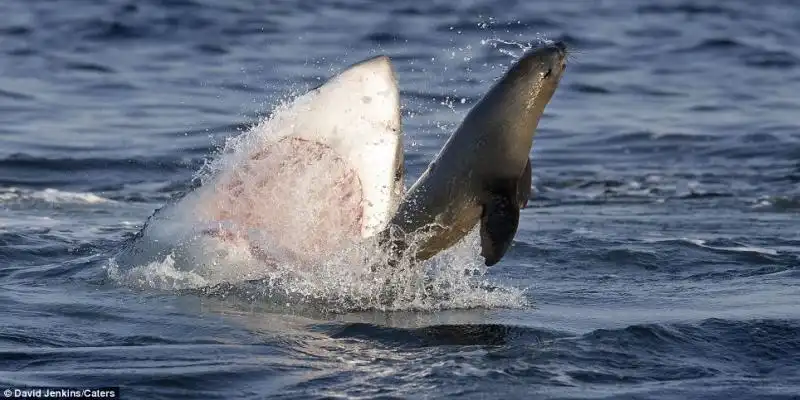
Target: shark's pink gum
x: 263, y: 195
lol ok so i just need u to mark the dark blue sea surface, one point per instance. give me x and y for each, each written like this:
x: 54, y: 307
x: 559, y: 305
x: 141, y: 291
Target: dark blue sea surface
x: 659, y: 256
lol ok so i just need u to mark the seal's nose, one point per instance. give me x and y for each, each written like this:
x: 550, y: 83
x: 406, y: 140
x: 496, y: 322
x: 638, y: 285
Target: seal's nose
x: 561, y: 46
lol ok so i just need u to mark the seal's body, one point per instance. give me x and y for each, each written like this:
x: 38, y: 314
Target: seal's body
x: 483, y: 173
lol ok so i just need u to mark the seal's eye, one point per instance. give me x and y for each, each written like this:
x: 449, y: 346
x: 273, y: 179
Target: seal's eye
x: 548, y: 73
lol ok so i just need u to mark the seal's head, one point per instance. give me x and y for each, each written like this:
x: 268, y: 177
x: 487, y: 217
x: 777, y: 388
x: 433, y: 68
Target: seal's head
x: 538, y: 72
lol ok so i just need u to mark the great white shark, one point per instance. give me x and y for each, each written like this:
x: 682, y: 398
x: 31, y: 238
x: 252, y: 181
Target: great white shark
x: 323, y: 172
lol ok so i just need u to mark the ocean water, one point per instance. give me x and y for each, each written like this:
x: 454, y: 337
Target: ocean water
x: 659, y: 256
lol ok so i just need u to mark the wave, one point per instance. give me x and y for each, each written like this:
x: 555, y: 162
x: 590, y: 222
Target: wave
x: 706, y: 351
x: 720, y: 245
x: 689, y: 8
x: 49, y: 196
x: 756, y: 56
x: 789, y: 204
x: 446, y: 335
x: 29, y: 162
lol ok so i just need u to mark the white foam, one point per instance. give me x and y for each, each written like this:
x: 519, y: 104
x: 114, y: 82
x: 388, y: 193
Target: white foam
x: 704, y: 244
x: 157, y: 275
x: 53, y: 196
x: 340, y: 285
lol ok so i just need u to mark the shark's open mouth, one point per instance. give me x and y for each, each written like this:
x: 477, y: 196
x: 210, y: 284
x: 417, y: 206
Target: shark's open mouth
x: 270, y: 194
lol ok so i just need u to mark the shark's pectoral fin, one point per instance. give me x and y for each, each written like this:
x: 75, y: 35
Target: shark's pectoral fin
x: 524, y: 186
x: 499, y: 222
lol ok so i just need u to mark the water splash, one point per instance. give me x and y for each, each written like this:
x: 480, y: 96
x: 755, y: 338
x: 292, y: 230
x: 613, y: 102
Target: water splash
x: 515, y: 49
x: 455, y: 279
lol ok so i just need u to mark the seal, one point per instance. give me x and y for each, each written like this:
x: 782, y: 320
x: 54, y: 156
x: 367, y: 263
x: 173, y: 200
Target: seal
x: 483, y: 172
x: 324, y: 171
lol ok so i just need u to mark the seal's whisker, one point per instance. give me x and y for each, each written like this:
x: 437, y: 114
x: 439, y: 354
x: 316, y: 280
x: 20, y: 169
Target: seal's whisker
x: 575, y: 56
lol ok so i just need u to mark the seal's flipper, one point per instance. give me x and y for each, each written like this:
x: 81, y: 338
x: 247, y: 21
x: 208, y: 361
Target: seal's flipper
x: 524, y: 186
x: 499, y: 223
